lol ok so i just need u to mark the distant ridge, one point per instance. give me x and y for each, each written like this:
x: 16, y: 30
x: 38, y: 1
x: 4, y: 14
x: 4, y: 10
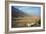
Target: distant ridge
x: 16, y: 12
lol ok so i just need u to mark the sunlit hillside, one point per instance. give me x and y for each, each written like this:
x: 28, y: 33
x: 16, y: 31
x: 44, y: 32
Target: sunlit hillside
x: 26, y: 21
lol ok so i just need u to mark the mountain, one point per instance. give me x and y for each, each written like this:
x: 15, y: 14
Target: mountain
x: 16, y: 12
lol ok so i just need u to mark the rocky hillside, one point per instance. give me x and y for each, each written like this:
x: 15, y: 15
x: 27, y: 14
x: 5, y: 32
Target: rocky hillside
x: 26, y: 21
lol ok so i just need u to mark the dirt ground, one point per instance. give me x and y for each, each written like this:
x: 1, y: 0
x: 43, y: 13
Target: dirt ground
x: 26, y: 21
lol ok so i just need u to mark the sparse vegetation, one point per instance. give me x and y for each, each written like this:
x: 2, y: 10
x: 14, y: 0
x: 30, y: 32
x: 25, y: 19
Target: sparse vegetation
x: 26, y: 21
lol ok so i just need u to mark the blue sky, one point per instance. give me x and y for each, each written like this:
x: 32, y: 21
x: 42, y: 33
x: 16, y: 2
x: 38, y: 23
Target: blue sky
x: 30, y: 10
